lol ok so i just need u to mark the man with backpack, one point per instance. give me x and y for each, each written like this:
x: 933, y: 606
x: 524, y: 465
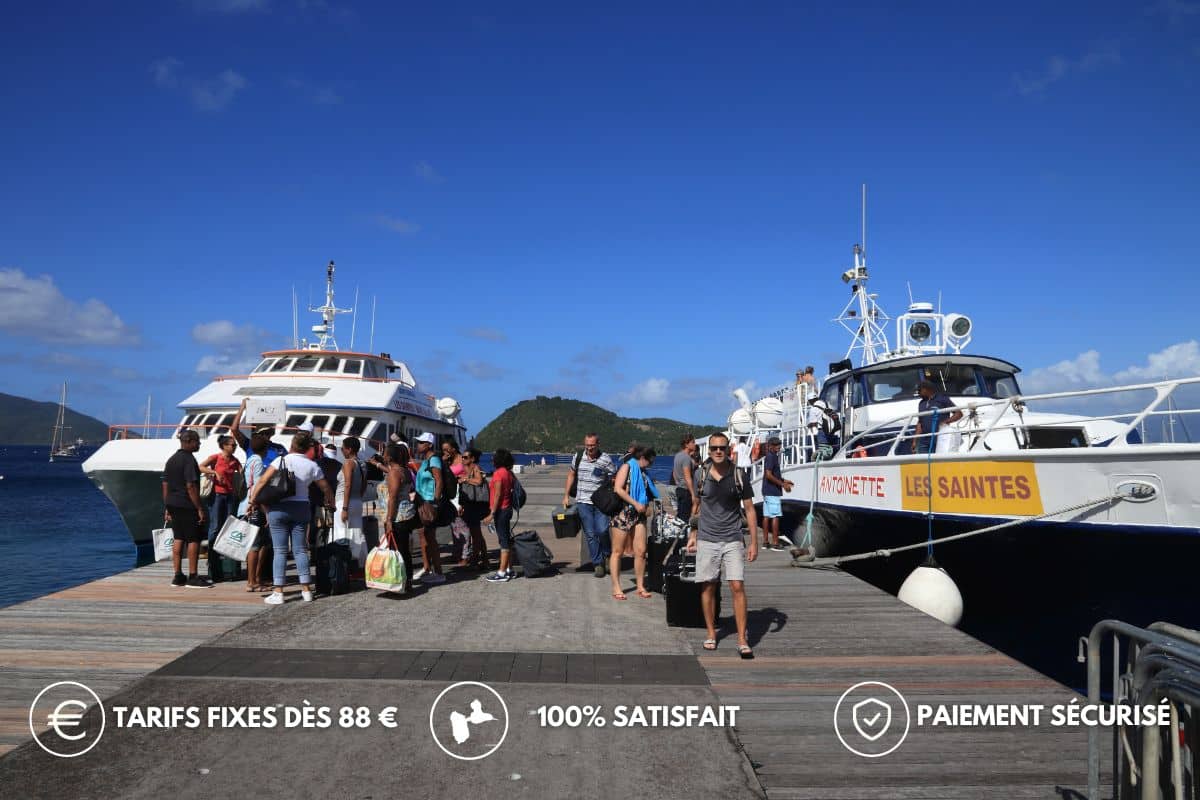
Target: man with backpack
x: 824, y: 424
x: 588, y: 471
x: 721, y: 496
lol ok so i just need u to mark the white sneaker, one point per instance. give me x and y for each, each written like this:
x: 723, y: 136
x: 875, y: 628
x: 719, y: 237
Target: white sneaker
x: 274, y: 599
x: 306, y: 595
x: 433, y: 578
x: 419, y: 574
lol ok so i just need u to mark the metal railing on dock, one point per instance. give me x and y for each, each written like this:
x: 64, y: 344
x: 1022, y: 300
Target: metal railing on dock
x: 1161, y: 664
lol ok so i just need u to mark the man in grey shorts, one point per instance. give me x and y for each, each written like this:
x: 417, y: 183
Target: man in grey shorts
x: 720, y: 496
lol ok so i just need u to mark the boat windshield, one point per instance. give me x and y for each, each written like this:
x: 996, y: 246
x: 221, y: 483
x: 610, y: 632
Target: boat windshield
x: 962, y: 380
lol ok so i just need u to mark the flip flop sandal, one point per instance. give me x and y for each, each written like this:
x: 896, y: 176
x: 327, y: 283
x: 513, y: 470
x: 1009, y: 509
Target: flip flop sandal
x: 710, y: 644
x: 644, y: 594
x: 619, y: 596
x: 745, y: 652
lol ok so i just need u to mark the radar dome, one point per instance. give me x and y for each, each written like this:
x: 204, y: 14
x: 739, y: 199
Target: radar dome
x: 741, y: 422
x: 448, y: 407
x: 768, y: 412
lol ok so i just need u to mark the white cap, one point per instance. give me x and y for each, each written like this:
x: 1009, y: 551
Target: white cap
x: 306, y: 426
x: 426, y: 437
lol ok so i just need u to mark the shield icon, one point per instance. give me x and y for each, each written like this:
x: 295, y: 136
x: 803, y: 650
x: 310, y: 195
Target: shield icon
x: 872, y: 718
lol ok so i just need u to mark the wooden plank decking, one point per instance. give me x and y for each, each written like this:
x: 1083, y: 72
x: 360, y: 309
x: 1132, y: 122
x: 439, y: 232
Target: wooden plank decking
x: 815, y: 634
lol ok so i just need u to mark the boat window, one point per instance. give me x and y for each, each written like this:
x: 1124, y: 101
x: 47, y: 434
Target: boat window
x: 856, y: 392
x: 832, y: 394
x: 352, y: 366
x: 305, y: 364
x: 282, y: 365
x: 892, y: 384
x: 320, y: 421
x: 330, y: 364
x: 358, y: 426
x: 294, y: 421
x: 211, y: 420
x: 226, y: 421
x: 339, y: 424
x: 998, y: 384
x: 371, y: 369
x: 953, y: 379
x: 187, y: 420
x: 264, y: 365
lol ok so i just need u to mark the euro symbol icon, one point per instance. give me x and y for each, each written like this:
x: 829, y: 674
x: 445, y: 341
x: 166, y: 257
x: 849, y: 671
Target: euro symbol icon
x: 58, y: 719
x: 872, y: 718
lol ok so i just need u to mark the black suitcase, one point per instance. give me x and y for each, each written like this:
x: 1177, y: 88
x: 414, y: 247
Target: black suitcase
x: 532, y: 554
x: 566, y: 522
x: 657, y: 551
x: 682, y: 594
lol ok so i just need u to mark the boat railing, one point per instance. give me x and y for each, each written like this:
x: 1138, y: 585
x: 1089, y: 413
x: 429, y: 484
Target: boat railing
x: 162, y: 431
x: 1159, y: 670
x: 892, y: 433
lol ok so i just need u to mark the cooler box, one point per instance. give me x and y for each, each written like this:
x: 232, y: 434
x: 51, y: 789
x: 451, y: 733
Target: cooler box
x: 566, y: 522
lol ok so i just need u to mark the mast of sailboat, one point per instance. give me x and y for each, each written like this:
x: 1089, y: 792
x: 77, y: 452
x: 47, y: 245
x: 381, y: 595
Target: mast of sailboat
x: 60, y: 423
x: 146, y: 424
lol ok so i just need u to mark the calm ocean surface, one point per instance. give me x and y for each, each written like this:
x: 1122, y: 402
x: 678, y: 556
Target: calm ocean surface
x: 57, y: 530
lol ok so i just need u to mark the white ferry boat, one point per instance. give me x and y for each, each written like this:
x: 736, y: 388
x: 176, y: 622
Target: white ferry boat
x: 341, y: 393
x: 1099, y: 518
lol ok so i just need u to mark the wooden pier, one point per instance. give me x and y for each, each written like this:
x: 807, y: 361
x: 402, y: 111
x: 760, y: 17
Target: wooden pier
x: 815, y: 634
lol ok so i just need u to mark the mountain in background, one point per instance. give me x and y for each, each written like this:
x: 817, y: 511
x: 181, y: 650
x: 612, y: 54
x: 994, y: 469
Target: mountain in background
x: 25, y: 421
x: 558, y: 425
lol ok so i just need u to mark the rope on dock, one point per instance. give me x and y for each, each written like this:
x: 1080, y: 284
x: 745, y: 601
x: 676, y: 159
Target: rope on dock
x: 837, y: 560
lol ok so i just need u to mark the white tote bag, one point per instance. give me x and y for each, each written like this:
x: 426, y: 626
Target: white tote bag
x: 164, y: 543
x: 235, y: 538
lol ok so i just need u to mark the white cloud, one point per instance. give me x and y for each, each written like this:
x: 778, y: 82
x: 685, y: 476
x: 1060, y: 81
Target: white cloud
x: 238, y: 346
x: 396, y: 224
x: 1080, y: 372
x: 1179, y: 360
x: 1059, y: 67
x: 230, y: 6
x: 318, y: 95
x: 425, y: 171
x: 1176, y: 11
x: 483, y: 370
x: 650, y: 392
x: 216, y: 94
x: 35, y: 308
x: 164, y: 71
x: 488, y: 334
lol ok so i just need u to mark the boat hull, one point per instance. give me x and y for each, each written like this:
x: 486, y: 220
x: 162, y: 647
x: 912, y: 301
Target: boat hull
x: 137, y: 495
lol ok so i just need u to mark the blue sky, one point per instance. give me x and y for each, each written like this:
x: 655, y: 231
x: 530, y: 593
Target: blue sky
x: 681, y: 181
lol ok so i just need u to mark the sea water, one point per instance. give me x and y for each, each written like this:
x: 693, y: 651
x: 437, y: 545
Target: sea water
x: 56, y: 529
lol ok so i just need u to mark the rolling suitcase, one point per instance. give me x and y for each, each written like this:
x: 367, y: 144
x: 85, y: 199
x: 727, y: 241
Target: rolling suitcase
x: 532, y: 554
x: 682, y: 593
x: 566, y: 522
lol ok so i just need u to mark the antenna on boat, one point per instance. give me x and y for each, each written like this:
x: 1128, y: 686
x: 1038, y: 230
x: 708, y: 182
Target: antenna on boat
x: 354, y: 319
x: 295, y: 320
x: 146, y: 424
x: 371, y: 346
x: 862, y: 317
x: 324, y: 331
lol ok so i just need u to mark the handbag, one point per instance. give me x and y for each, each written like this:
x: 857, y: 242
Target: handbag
x: 405, y: 511
x: 164, y: 543
x: 474, y: 494
x: 206, y: 487
x: 385, y: 567
x: 235, y: 538
x: 280, y: 485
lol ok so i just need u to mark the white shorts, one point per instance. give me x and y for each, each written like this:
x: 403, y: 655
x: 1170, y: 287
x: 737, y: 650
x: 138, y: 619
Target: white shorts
x: 715, y: 558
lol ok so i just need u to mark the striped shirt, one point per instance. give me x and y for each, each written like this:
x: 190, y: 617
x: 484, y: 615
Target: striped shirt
x: 592, y: 472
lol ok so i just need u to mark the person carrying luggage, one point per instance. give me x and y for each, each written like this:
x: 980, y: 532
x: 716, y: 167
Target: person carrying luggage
x: 634, y: 486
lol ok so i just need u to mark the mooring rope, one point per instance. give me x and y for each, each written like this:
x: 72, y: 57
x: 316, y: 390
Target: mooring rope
x: 836, y: 560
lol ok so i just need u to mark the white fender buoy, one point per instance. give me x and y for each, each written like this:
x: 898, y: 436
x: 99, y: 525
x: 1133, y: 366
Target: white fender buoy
x: 931, y: 590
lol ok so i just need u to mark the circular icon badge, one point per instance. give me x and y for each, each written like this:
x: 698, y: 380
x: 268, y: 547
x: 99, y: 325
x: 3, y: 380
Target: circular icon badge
x: 469, y: 720
x: 62, y: 708
x: 871, y: 719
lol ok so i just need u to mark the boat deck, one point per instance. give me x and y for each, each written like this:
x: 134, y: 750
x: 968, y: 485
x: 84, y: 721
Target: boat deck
x: 556, y: 640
